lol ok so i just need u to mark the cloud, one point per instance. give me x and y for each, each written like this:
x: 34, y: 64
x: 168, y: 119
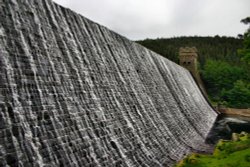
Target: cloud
x: 140, y: 19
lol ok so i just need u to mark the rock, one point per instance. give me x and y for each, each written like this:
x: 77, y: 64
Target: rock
x: 235, y: 137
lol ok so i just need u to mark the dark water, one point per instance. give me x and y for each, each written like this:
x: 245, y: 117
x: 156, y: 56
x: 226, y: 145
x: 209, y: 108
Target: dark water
x: 226, y: 125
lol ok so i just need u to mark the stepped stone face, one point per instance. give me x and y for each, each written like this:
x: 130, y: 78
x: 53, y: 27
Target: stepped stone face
x: 73, y: 93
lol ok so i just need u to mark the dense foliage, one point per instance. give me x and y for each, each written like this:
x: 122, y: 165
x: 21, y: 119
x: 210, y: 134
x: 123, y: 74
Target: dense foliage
x: 225, y: 72
x: 239, y: 95
x: 226, y: 154
x: 245, y: 51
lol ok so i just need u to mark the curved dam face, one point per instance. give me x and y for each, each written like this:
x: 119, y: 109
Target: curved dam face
x: 73, y: 93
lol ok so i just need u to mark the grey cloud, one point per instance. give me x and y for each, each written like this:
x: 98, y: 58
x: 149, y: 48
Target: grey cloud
x: 140, y: 19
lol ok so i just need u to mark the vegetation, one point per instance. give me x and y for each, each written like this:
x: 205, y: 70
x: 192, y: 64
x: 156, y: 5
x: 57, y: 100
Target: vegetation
x: 215, y: 48
x: 226, y: 154
x: 227, y: 84
x: 224, y: 64
x: 238, y: 96
x: 245, y: 51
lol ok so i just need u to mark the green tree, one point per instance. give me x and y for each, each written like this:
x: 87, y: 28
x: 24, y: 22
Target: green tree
x: 238, y: 96
x: 219, y: 75
x: 245, y: 51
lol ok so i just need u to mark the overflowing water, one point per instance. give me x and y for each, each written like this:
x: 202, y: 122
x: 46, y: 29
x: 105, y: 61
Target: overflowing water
x: 73, y: 93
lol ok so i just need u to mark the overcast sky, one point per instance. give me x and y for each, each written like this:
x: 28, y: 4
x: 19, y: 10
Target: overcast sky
x: 140, y: 19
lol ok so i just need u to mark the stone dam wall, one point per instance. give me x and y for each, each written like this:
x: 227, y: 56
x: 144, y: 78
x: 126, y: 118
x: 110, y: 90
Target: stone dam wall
x: 73, y: 93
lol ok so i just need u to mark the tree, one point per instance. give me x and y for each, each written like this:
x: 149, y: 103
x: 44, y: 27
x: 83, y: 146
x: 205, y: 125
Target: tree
x: 219, y: 75
x: 238, y: 96
x: 246, y: 20
x: 245, y: 51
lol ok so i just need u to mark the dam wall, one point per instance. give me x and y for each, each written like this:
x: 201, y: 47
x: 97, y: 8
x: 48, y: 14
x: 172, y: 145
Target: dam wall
x: 74, y: 93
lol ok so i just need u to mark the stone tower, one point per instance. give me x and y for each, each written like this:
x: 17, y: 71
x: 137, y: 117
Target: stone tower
x: 188, y: 59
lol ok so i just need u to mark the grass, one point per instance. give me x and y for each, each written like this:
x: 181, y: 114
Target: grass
x: 234, y: 153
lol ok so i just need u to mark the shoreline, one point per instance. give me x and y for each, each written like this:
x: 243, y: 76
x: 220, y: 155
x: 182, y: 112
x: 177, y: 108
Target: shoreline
x: 235, y: 112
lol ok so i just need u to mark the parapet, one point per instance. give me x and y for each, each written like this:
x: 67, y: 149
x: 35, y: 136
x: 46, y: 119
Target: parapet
x: 188, y: 51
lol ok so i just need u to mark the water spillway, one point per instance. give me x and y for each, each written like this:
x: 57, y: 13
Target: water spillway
x: 74, y: 93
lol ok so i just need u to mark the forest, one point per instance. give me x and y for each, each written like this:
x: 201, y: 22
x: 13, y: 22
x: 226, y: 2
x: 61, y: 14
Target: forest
x: 224, y: 64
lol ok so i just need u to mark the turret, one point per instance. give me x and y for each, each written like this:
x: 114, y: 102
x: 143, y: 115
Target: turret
x: 188, y: 59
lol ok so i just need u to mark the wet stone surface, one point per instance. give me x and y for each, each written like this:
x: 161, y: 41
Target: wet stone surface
x: 73, y: 93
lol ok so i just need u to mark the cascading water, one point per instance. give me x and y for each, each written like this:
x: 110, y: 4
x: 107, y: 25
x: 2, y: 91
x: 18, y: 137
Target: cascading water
x: 73, y: 93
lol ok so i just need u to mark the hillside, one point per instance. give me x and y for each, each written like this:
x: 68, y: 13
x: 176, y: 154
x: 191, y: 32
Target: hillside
x: 226, y: 77
x: 217, y: 48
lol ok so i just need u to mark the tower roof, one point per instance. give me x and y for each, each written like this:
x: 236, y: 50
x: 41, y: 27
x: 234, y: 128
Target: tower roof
x: 191, y: 51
